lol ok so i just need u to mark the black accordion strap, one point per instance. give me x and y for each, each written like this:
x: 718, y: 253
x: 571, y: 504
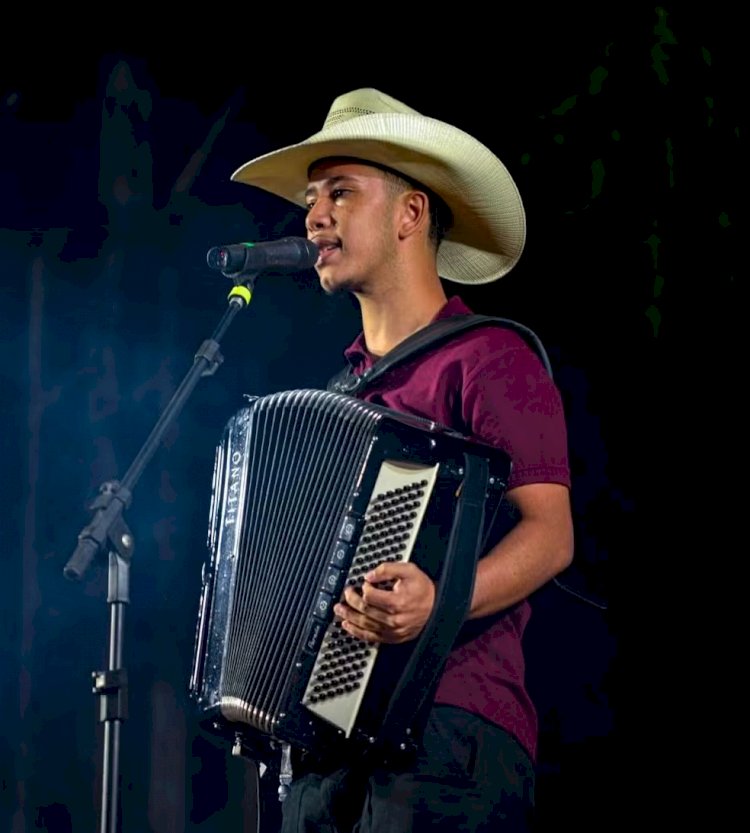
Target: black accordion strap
x: 345, y: 381
x: 452, y: 599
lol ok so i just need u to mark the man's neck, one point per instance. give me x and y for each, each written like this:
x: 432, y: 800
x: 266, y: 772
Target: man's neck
x: 390, y: 318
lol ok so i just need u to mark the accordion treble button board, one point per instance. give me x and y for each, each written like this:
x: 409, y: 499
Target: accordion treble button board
x: 344, y: 664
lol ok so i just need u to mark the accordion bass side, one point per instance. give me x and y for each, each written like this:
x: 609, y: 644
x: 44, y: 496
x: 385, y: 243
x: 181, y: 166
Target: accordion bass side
x: 311, y: 489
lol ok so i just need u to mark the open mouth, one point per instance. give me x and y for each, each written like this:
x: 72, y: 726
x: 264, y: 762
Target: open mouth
x: 325, y: 249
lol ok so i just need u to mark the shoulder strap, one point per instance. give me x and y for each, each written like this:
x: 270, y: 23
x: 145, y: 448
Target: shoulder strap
x: 345, y: 381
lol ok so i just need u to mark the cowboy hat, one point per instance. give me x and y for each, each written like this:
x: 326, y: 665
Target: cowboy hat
x: 489, y: 224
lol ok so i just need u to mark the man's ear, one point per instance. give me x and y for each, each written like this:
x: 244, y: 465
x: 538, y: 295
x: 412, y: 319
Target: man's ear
x: 415, y: 213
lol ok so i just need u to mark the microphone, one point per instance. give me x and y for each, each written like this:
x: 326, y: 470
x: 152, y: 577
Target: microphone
x: 290, y: 254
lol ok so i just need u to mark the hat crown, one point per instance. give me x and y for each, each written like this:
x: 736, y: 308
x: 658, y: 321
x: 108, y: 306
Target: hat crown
x: 364, y: 102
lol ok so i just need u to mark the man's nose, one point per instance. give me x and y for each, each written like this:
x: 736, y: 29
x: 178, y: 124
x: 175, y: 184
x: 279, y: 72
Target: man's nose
x: 318, y: 216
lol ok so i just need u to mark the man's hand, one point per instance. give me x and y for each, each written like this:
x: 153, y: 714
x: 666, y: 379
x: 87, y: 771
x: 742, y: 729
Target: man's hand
x: 394, y: 615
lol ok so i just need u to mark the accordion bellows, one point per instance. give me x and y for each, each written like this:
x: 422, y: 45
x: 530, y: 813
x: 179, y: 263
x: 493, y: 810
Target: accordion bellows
x: 312, y: 489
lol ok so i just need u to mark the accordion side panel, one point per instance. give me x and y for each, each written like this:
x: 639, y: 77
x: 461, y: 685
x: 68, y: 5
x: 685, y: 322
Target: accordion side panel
x: 226, y: 518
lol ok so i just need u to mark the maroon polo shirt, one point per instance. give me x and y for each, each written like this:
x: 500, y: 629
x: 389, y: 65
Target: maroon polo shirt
x: 490, y: 385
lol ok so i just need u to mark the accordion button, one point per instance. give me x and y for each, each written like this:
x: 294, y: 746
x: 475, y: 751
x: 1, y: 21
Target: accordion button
x: 341, y: 554
x: 350, y: 527
x: 323, y: 605
x: 333, y: 580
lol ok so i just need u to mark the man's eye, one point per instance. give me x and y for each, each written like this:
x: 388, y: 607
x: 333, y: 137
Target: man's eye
x: 309, y: 205
x: 338, y: 192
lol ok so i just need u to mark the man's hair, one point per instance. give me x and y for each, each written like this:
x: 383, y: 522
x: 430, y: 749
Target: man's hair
x: 441, y: 217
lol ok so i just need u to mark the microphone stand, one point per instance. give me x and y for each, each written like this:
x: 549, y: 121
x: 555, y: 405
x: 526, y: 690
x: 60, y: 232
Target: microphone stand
x: 109, y: 529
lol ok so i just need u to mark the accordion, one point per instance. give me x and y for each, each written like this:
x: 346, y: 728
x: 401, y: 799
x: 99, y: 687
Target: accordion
x: 311, y: 490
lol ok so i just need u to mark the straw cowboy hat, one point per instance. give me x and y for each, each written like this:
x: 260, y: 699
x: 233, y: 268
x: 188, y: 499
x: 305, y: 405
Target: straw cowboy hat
x: 489, y: 224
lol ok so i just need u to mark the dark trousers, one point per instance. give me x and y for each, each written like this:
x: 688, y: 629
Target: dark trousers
x: 470, y: 776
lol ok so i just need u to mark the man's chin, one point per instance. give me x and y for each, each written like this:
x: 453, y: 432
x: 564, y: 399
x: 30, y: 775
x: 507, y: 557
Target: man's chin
x: 337, y: 287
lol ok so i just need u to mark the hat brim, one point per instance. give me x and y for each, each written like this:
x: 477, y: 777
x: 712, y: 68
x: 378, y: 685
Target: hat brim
x: 489, y: 223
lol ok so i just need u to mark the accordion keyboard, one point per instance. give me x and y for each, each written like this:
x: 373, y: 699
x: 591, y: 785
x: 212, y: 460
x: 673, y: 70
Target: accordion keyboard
x: 393, y: 517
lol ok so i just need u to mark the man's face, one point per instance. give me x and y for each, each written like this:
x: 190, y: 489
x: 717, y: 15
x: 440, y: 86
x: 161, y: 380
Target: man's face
x: 351, y: 218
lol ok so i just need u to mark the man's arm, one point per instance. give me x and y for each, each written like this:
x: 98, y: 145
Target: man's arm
x: 538, y: 548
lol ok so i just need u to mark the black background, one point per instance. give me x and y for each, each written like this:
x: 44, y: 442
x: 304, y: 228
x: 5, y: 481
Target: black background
x: 622, y: 130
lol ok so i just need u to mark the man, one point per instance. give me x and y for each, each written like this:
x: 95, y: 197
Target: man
x: 397, y: 201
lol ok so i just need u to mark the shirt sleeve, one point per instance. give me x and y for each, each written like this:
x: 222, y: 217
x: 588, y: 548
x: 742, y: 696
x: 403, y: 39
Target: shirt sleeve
x: 510, y: 401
